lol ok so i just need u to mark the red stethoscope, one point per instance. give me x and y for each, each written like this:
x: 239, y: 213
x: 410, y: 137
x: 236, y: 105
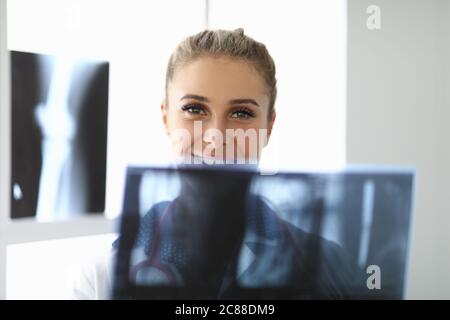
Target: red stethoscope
x: 166, y: 273
x: 161, y: 271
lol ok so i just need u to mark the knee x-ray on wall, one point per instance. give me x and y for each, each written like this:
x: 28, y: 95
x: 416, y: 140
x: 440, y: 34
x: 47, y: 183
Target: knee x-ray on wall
x: 59, y: 136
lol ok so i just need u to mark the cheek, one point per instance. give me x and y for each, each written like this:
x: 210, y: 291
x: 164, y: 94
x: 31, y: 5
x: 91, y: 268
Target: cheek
x: 173, y: 118
x: 176, y: 122
x: 251, y: 145
x: 180, y: 132
x: 181, y: 139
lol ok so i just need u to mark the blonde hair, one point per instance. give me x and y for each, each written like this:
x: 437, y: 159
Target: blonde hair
x: 225, y: 43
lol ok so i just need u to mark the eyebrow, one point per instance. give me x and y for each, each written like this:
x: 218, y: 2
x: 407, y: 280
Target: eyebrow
x: 195, y: 97
x: 244, y: 101
x: 204, y: 99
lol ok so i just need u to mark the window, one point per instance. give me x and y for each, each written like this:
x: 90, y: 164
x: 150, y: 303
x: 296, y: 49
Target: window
x: 307, y: 40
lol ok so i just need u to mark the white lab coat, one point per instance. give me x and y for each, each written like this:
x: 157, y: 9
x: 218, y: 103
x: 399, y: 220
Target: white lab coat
x: 93, y: 280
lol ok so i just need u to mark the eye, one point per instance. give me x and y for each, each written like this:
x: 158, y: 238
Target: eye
x: 243, y: 113
x: 194, y: 109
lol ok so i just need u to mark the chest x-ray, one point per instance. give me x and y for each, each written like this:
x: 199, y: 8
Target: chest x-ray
x: 59, y: 134
x: 220, y: 233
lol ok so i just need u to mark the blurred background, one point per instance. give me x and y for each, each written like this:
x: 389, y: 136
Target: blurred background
x: 359, y: 82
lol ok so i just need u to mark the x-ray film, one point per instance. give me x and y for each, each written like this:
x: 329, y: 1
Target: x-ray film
x: 59, y: 135
x: 204, y: 232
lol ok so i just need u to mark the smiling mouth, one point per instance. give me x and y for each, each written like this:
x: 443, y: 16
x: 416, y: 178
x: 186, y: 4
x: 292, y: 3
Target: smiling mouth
x: 211, y: 160
x: 196, y: 159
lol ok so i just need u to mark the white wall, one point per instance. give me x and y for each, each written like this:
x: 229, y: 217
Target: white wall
x: 398, y: 113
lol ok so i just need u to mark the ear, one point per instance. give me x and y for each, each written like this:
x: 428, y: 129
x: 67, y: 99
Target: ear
x: 164, y: 114
x: 270, y: 124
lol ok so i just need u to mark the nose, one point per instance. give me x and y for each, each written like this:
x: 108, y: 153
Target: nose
x: 214, y: 128
x: 215, y: 137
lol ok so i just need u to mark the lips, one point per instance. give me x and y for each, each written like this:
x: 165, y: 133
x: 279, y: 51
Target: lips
x: 211, y: 160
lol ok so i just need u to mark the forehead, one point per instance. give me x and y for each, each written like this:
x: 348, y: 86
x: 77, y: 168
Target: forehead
x: 218, y: 78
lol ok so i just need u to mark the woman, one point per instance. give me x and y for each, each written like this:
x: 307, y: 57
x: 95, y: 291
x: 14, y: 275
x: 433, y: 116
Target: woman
x: 218, y: 107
